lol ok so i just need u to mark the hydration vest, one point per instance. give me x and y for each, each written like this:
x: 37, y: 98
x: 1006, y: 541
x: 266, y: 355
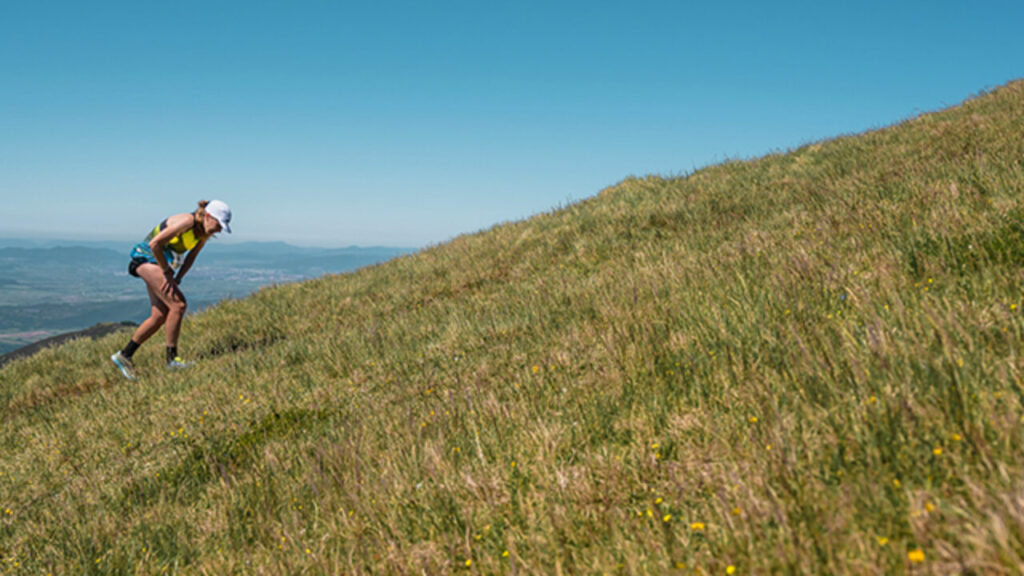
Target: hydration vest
x: 174, y: 250
x: 181, y: 243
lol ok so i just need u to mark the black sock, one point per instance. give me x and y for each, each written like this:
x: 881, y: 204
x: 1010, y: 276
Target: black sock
x: 172, y: 353
x: 130, y: 349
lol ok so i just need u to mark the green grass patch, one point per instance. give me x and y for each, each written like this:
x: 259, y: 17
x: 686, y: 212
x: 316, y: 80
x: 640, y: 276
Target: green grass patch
x: 808, y: 362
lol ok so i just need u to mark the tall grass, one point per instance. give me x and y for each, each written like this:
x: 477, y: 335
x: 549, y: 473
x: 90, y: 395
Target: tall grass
x: 804, y: 363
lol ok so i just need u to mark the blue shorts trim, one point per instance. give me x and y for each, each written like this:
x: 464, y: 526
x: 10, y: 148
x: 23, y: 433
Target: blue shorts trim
x: 141, y: 254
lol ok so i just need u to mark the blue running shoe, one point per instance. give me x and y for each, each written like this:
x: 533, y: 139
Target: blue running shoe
x: 178, y: 364
x: 124, y: 365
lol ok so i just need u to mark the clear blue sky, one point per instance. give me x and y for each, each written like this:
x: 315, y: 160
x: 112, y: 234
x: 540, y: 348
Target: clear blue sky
x: 408, y: 123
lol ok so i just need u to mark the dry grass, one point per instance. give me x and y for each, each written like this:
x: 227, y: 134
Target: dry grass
x: 805, y: 363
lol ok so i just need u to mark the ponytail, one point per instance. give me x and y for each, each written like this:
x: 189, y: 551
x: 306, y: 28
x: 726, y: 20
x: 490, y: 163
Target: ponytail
x: 198, y: 215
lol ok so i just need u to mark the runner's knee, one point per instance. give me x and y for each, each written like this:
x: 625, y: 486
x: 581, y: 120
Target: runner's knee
x: 178, y: 304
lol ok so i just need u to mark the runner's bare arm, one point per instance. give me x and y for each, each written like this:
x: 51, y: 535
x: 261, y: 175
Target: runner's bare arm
x: 175, y: 225
x: 189, y: 259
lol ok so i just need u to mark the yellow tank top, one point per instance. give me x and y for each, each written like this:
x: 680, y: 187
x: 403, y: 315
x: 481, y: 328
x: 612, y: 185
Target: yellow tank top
x: 181, y: 243
x: 176, y: 247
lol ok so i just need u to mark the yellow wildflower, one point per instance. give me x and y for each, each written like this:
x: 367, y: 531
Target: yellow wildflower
x: 697, y: 526
x: 916, y: 555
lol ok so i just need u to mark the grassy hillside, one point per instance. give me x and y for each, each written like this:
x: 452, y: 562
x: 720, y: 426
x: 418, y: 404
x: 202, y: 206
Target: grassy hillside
x: 805, y: 363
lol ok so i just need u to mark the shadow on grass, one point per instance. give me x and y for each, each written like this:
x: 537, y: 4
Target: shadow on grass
x: 219, y: 458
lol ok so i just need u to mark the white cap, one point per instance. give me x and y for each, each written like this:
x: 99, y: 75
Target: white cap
x: 221, y: 213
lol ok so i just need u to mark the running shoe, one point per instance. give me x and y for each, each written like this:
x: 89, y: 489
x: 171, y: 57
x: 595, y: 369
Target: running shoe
x: 124, y: 364
x: 178, y: 364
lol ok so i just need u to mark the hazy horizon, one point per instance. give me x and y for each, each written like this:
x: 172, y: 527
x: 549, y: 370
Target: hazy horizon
x: 11, y: 239
x: 46, y: 290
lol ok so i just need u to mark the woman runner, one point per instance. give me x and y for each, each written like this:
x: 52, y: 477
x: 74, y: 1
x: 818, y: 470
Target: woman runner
x: 173, y: 245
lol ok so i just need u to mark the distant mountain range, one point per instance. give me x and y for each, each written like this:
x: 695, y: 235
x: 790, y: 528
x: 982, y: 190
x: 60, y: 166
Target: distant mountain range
x: 49, y: 287
x: 97, y: 331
